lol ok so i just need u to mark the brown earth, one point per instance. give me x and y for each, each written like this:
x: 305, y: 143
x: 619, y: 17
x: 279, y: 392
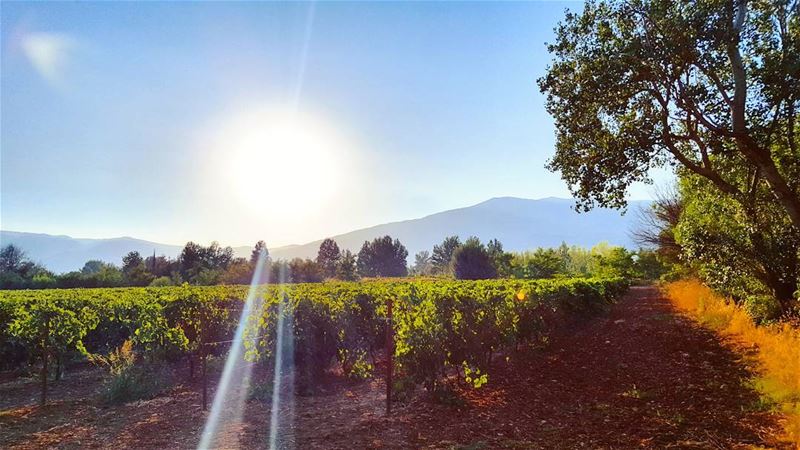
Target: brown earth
x: 638, y: 376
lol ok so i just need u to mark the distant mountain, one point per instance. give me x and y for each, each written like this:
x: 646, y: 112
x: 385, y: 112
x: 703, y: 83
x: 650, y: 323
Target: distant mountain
x: 64, y: 253
x: 520, y: 224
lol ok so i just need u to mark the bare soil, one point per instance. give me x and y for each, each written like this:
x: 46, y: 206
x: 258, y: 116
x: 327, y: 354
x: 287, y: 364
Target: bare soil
x: 639, y: 376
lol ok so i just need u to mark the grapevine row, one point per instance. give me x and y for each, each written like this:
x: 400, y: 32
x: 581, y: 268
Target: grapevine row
x: 439, y: 325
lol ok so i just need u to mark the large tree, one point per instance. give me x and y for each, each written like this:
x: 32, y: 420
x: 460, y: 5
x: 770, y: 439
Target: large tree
x: 443, y: 254
x: 383, y: 257
x: 472, y: 261
x: 260, y: 247
x: 328, y: 257
x: 712, y: 85
x: 12, y: 258
x: 347, y: 269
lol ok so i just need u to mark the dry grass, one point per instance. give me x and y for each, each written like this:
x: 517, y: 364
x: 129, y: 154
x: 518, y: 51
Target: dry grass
x: 777, y: 346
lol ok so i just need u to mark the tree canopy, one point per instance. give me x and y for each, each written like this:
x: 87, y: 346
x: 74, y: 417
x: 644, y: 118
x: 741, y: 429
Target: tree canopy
x: 383, y: 257
x: 710, y: 85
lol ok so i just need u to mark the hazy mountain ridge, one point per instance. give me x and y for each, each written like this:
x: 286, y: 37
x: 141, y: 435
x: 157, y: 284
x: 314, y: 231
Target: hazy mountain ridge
x: 518, y: 223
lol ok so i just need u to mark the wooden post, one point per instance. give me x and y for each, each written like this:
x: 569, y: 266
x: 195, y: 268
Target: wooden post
x: 389, y: 355
x: 44, y: 362
x: 205, y: 378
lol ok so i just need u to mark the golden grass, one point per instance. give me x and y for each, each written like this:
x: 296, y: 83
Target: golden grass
x: 777, y: 347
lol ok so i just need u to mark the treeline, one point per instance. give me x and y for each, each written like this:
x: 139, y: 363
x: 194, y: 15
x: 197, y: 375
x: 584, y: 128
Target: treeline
x: 381, y: 257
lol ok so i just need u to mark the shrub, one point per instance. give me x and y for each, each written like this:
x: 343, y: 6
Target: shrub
x: 127, y: 381
x: 161, y: 282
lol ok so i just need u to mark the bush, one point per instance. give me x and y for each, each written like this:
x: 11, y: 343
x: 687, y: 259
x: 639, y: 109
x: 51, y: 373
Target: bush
x: 762, y: 308
x: 161, y: 282
x: 127, y: 381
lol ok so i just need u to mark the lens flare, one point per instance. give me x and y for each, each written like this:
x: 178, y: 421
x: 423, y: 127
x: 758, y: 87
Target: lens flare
x: 234, y: 383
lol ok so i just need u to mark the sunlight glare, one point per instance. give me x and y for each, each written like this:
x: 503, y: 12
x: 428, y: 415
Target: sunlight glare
x: 297, y: 156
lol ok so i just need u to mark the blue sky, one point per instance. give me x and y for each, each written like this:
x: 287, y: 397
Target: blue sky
x: 122, y: 118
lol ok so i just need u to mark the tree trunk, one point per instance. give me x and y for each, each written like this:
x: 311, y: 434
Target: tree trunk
x: 757, y: 155
x: 784, y: 292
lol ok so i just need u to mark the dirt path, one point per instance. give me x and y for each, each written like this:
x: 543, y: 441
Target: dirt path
x: 639, y: 376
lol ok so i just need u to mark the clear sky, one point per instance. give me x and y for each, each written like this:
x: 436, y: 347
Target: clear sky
x: 287, y: 122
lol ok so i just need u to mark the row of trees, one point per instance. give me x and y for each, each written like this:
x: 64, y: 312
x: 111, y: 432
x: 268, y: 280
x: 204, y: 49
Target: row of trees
x: 196, y: 264
x: 474, y: 260
x: 381, y: 257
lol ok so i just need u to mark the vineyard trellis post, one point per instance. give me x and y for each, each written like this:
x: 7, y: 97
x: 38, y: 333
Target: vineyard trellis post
x: 45, y: 338
x: 389, y: 355
x: 203, y: 352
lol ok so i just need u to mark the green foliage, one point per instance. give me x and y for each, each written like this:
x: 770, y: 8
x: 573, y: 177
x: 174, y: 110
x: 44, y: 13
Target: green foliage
x: 541, y: 263
x: 328, y: 257
x: 126, y: 381
x: 161, y: 282
x: 17, y: 272
x: 471, y: 261
x: 305, y: 271
x: 602, y: 260
x: 739, y: 249
x: 443, y: 254
x: 439, y: 325
x: 501, y: 260
x: 422, y: 264
x: 346, y: 269
x: 383, y: 257
x: 707, y: 85
x: 51, y: 325
x: 762, y: 308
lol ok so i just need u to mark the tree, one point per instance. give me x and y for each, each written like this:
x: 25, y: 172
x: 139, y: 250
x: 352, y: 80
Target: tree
x: 211, y: 261
x: 217, y: 257
x: 328, y: 257
x: 261, y: 246
x: 443, y: 254
x: 279, y: 271
x: 711, y: 85
x: 739, y: 248
x: 500, y: 259
x: 648, y: 265
x: 346, y: 269
x: 160, y: 266
x: 131, y: 261
x: 471, y: 261
x: 190, y: 259
x: 16, y: 271
x: 422, y: 263
x: 92, y: 266
x: 11, y: 258
x: 134, y: 271
x: 239, y: 271
x: 305, y: 271
x: 613, y: 261
x: 109, y: 275
x: 383, y: 257
x: 657, y: 226
x: 542, y: 263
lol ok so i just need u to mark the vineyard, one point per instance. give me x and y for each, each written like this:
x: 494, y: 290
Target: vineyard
x: 439, y: 327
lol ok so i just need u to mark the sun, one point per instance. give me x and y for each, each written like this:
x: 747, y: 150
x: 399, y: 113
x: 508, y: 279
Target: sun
x: 283, y: 163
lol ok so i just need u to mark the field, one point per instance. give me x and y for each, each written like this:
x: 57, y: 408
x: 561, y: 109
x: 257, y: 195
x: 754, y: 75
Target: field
x: 636, y: 374
x: 489, y: 364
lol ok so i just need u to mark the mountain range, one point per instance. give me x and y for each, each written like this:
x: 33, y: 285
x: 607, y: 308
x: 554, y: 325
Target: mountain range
x: 520, y: 224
